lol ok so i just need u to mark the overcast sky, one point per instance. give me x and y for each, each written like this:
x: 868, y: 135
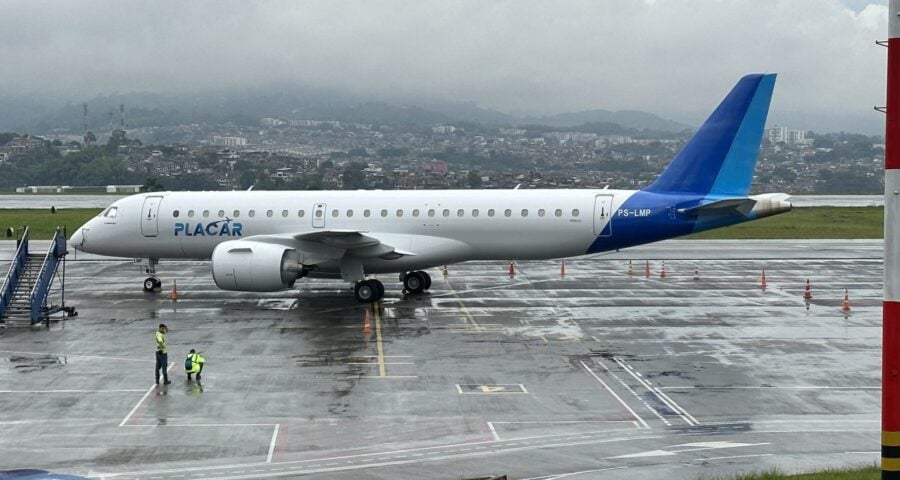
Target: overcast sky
x: 676, y: 58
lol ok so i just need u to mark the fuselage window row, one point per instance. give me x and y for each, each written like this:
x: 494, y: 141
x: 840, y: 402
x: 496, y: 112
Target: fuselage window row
x: 335, y: 213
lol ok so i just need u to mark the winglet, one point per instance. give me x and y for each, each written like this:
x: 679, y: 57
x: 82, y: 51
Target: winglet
x: 719, y: 159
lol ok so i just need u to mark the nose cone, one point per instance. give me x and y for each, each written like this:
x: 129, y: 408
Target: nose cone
x: 77, y: 239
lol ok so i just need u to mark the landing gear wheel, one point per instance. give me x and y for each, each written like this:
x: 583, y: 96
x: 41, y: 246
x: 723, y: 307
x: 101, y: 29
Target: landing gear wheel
x: 368, y: 291
x: 414, y: 282
x: 427, y: 278
x: 151, y: 284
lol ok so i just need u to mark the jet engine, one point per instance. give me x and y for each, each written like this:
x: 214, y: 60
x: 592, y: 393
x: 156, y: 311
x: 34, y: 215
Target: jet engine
x: 252, y: 266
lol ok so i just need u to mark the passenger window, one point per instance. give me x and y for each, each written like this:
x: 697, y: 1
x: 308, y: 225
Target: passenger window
x: 460, y: 212
x: 575, y: 212
x: 251, y: 213
x: 491, y: 212
x: 524, y: 212
x: 236, y: 213
x: 269, y: 213
x: 334, y: 213
x: 541, y: 212
x: 384, y: 213
x: 446, y: 212
x: 175, y: 213
x: 507, y: 213
x: 399, y: 213
x: 367, y: 212
x: 205, y: 213
x: 284, y: 213
x: 190, y: 214
x: 301, y: 213
x: 430, y: 212
x: 475, y: 212
x: 415, y: 212
x: 318, y: 213
x: 349, y: 213
x: 221, y: 213
x: 558, y: 212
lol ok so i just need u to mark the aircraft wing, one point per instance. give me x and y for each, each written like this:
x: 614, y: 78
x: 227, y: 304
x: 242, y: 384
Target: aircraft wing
x: 323, y: 245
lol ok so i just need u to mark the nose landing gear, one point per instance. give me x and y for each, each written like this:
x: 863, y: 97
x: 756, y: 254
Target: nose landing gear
x: 151, y: 283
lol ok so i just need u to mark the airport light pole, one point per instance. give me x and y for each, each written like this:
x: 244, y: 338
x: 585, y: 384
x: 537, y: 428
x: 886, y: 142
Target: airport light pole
x: 890, y: 353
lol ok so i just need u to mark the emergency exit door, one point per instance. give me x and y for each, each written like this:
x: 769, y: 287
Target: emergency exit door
x: 318, y: 217
x: 150, y: 216
x: 603, y: 213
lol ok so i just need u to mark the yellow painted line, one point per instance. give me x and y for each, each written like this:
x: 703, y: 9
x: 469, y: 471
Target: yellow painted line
x: 378, y: 342
x: 463, y: 307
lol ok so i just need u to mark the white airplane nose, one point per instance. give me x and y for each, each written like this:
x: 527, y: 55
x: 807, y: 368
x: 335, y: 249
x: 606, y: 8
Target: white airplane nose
x: 77, y: 239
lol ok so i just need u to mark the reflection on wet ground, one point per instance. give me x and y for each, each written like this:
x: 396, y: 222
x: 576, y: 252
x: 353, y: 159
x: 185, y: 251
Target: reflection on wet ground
x: 532, y: 375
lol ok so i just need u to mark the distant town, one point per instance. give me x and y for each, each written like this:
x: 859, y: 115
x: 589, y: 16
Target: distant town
x: 284, y: 153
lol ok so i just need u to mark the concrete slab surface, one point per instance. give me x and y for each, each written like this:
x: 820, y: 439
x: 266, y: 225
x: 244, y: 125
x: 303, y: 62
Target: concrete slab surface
x: 597, y: 374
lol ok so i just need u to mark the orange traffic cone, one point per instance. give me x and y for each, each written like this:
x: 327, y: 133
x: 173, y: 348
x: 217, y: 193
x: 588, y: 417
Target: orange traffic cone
x: 762, y: 283
x: 562, y: 268
x: 647, y: 269
x: 807, y: 294
x: 174, y: 294
x: 846, y: 306
x: 696, y: 273
x: 662, y: 272
x: 630, y: 269
x: 367, y: 324
x: 512, y: 269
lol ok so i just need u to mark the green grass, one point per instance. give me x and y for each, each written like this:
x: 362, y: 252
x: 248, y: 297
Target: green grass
x: 801, y: 223
x: 42, y: 223
x: 808, y: 223
x: 864, y: 473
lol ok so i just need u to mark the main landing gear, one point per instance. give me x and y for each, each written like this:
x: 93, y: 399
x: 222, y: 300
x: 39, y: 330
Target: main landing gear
x: 369, y: 291
x: 416, y: 282
x: 151, y: 283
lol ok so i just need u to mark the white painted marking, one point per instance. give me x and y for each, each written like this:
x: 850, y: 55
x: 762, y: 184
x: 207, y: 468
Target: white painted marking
x: 646, y: 384
x: 126, y: 390
x: 649, y: 453
x: 733, y: 457
x: 632, y: 412
x: 272, y: 443
x: 137, y: 405
x: 493, y: 431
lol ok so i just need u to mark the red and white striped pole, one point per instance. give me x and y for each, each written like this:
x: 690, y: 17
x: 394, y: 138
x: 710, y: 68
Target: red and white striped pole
x: 890, y: 354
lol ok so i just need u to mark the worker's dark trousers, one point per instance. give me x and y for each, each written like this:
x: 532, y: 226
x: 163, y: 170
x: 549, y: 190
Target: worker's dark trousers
x: 162, y: 363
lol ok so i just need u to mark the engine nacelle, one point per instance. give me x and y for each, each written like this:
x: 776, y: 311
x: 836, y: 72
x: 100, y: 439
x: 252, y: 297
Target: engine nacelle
x: 250, y: 266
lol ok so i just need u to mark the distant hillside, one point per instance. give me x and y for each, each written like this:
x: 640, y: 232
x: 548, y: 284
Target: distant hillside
x: 626, y: 118
x: 41, y: 115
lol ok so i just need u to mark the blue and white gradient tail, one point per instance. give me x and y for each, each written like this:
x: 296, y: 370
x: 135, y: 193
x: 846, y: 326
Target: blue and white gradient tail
x: 719, y: 159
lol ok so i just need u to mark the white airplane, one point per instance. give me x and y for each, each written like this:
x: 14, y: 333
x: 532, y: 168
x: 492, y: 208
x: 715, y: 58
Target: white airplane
x: 266, y: 240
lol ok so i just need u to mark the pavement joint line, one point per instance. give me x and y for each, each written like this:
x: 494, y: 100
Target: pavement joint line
x: 126, y: 390
x: 731, y: 457
x: 93, y: 357
x: 617, y: 397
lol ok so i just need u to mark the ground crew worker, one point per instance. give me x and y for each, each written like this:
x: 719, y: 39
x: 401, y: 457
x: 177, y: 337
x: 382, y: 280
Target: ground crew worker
x: 162, y: 354
x: 194, y: 364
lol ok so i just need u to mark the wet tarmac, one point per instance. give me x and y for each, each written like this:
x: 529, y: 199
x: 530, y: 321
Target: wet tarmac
x: 595, y: 374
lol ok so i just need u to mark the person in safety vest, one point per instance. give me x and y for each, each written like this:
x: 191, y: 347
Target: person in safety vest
x: 162, y: 354
x: 194, y: 364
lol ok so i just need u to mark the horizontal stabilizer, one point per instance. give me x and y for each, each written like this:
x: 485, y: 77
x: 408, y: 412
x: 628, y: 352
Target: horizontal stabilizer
x: 742, y: 206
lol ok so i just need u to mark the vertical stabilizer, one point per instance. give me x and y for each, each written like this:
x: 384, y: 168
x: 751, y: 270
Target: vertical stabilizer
x: 720, y: 158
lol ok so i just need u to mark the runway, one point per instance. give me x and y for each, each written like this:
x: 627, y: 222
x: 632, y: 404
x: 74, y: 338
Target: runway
x: 601, y: 373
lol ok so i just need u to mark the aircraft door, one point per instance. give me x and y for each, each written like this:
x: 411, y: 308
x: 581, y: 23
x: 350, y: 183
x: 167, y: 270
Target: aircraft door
x: 318, y: 218
x: 603, y: 205
x: 150, y: 216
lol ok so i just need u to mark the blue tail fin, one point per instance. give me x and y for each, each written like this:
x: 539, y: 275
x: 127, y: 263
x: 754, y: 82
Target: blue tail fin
x: 720, y: 158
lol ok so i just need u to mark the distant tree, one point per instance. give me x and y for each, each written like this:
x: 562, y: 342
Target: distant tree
x: 151, y: 184
x: 354, y: 176
x: 89, y: 138
x: 474, y: 179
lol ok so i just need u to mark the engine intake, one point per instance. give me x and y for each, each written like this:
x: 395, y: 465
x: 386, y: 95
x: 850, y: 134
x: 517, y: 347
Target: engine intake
x: 251, y: 266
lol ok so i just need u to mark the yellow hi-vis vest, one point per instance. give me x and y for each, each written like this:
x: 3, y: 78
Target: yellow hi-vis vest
x: 194, y: 360
x: 161, y: 342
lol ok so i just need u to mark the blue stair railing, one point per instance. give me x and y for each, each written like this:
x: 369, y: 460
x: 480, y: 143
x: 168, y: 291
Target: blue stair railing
x: 15, y: 271
x: 41, y: 291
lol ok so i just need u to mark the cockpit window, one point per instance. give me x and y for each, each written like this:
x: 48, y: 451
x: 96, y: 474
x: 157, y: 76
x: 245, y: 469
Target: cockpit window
x: 111, y: 212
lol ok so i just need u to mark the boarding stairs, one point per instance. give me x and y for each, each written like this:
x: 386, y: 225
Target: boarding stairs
x: 24, y: 297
